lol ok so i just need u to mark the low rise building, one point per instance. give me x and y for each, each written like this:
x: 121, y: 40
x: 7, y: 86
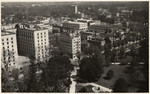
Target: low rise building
x: 75, y: 25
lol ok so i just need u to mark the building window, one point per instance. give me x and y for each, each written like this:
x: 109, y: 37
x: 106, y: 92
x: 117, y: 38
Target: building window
x: 12, y: 42
x: 7, y: 42
x: 7, y: 46
x: 11, y: 38
x: 2, y: 39
x: 3, y: 43
x: 7, y: 39
x: 41, y: 33
x: 12, y: 46
x: 41, y: 36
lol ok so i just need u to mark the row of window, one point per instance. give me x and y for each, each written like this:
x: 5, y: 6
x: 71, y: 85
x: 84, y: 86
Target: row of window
x: 26, y: 33
x: 41, y: 37
x: 42, y: 40
x: 8, y: 47
x: 27, y: 47
x: 41, y: 44
x: 7, y: 43
x: 7, y: 39
x: 9, y: 59
x: 41, y: 33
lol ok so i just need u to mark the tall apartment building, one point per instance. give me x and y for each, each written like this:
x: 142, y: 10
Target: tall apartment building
x: 70, y: 42
x: 33, y: 42
x: 9, y: 52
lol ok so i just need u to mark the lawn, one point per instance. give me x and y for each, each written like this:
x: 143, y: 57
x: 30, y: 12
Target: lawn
x: 118, y: 72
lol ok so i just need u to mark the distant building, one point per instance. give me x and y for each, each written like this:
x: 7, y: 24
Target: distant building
x: 75, y: 25
x: 103, y: 29
x: 88, y: 21
x: 70, y: 43
x: 56, y: 29
x: 98, y: 29
x: 9, y: 52
x: 9, y: 26
x: 33, y: 42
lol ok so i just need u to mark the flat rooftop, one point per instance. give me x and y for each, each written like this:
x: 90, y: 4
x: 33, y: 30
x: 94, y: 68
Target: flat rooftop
x: 71, y: 22
x: 34, y: 29
x: 5, y: 33
x: 111, y: 26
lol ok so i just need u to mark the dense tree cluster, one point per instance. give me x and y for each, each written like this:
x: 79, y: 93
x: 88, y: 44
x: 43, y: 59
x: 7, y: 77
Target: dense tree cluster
x: 107, y: 51
x: 120, y: 86
x: 91, y: 67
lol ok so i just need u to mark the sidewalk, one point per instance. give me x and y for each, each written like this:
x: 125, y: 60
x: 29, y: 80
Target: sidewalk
x: 102, y: 88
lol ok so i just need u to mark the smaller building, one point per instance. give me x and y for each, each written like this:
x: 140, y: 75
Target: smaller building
x: 75, y: 25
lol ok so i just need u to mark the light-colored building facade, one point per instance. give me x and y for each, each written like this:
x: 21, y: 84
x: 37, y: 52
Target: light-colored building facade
x: 70, y: 42
x: 9, y: 52
x: 33, y: 42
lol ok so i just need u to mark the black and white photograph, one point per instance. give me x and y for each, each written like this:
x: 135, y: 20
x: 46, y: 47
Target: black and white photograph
x: 75, y: 47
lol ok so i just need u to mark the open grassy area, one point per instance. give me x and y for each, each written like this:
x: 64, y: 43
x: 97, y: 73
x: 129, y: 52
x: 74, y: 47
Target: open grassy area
x: 118, y: 73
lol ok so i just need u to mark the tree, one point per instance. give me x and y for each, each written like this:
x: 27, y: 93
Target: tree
x: 143, y: 52
x: 120, y: 85
x: 107, y: 51
x: 55, y: 72
x: 122, y: 52
x: 110, y: 74
x: 91, y: 68
x: 113, y: 55
x: 78, y: 54
x: 86, y: 50
x: 83, y: 89
x: 7, y: 57
x: 32, y: 78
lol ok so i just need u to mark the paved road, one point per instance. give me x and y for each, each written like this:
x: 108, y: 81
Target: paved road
x: 73, y: 84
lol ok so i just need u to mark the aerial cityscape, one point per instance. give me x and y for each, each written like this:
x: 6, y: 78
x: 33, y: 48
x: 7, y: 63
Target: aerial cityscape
x: 75, y: 47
